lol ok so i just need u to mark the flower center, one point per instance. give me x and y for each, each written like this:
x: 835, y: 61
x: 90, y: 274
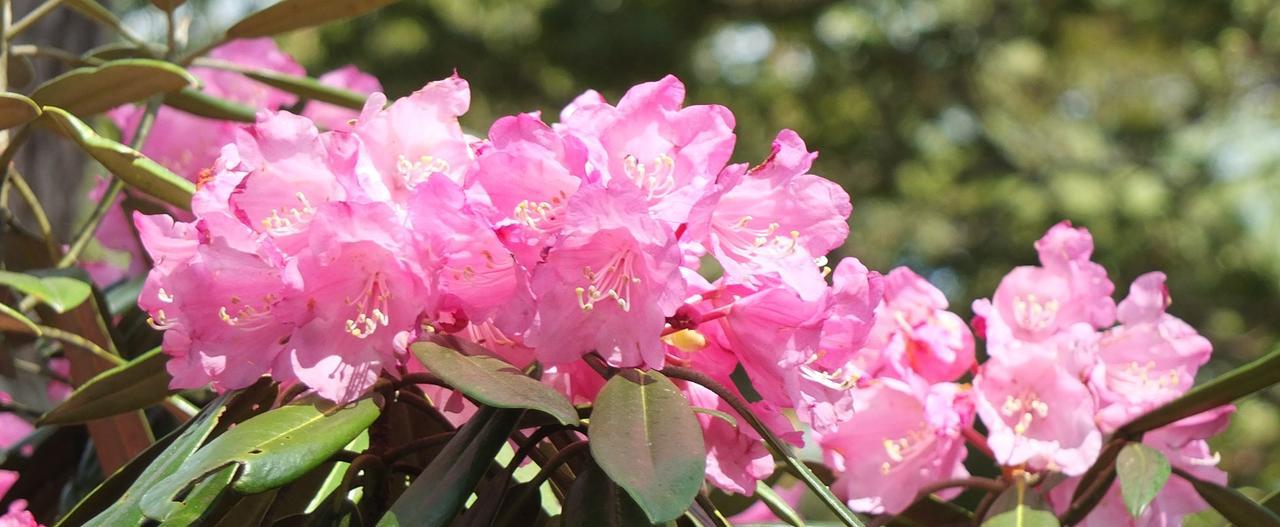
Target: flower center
x: 248, y: 316
x: 160, y: 322
x: 758, y: 242
x: 414, y: 172
x: 614, y: 282
x: 1026, y: 408
x: 656, y: 179
x: 1034, y: 313
x: 899, y: 449
x: 289, y: 221
x: 371, y: 307
x: 1141, y: 377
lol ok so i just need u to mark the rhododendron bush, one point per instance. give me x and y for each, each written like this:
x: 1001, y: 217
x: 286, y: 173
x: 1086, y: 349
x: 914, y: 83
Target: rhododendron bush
x: 311, y: 304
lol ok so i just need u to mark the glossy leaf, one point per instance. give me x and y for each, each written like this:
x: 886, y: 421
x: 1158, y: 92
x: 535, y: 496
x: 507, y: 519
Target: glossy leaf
x: 272, y: 449
x: 647, y: 439
x: 307, y: 87
x: 16, y: 110
x: 1142, y: 472
x: 201, y: 498
x: 61, y: 293
x: 127, y: 510
x: 196, y: 102
x: 288, y: 15
x: 1234, y: 506
x: 596, y: 500
x: 125, y: 163
x: 1253, y: 377
x: 493, y: 382
x: 134, y: 385
x: 96, y: 89
x: 1020, y: 506
x: 436, y: 496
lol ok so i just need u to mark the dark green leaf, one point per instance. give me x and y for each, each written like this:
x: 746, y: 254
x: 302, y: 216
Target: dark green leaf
x: 596, y: 500
x: 61, y: 293
x: 288, y: 15
x: 125, y: 163
x: 1020, y: 506
x: 1234, y: 506
x: 491, y: 381
x: 272, y: 449
x: 933, y: 512
x: 127, y: 510
x: 1253, y: 377
x: 1142, y: 472
x: 442, y: 489
x: 196, y: 102
x: 202, y: 497
x: 16, y: 110
x: 134, y: 385
x: 647, y: 439
x: 91, y: 90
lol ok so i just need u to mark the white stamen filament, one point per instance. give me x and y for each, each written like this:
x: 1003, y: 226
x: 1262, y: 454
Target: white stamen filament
x: 613, y: 282
x: 371, y: 308
x: 656, y: 179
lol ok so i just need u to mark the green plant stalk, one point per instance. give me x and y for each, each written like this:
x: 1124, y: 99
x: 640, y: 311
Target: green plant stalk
x: 37, y: 210
x: 31, y: 18
x: 782, y: 449
x: 1253, y: 377
x: 85, y: 235
x: 80, y: 342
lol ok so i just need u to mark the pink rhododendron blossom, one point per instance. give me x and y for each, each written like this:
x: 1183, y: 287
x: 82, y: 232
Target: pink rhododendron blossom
x: 897, y: 441
x: 736, y: 454
x: 335, y: 117
x: 649, y: 142
x: 18, y: 516
x: 917, y: 333
x: 1038, y: 415
x: 609, y: 284
x: 773, y: 331
x: 13, y: 428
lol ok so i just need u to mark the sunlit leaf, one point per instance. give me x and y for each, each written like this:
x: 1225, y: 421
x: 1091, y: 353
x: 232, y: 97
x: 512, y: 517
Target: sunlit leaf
x: 1020, y: 506
x: 288, y: 15
x: 16, y: 110
x: 134, y: 385
x: 1142, y: 472
x: 491, y: 381
x: 90, y: 90
x: 58, y: 292
x: 196, y: 102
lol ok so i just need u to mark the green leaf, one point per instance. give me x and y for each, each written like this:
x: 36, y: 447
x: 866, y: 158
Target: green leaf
x: 1142, y: 472
x: 134, y: 385
x: 137, y: 170
x: 1234, y: 506
x: 127, y: 510
x: 202, y: 497
x: 647, y: 439
x: 61, y: 293
x: 13, y: 321
x: 16, y: 110
x: 934, y: 512
x: 1020, y: 507
x: 491, y: 381
x: 1253, y: 377
x: 436, y: 496
x: 778, y: 505
x: 272, y: 449
x: 307, y: 87
x: 596, y: 500
x: 91, y: 90
x: 196, y: 102
x: 288, y: 15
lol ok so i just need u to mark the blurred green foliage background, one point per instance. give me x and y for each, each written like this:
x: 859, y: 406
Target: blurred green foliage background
x: 963, y: 129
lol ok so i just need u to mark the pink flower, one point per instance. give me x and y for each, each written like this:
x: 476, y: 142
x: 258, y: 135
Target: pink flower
x: 1150, y: 358
x: 1038, y: 414
x: 897, y: 441
x: 608, y: 284
x: 650, y: 143
x: 335, y: 117
x: 13, y: 429
x: 777, y: 218
x: 736, y: 454
x: 774, y: 332
x: 18, y: 516
x: 917, y: 332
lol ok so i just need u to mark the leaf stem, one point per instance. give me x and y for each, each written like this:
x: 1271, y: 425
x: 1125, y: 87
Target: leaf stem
x: 80, y: 342
x: 37, y: 210
x: 807, y: 476
x: 31, y: 18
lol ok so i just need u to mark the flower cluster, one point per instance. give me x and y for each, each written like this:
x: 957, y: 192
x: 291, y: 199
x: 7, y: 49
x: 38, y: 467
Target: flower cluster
x: 624, y: 232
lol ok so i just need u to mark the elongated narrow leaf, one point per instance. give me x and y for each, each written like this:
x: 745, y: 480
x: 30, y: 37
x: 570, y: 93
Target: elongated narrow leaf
x: 1253, y: 377
x: 125, y: 163
x: 16, y: 110
x: 778, y: 505
x: 1234, y: 506
x: 1142, y: 472
x: 127, y: 510
x: 1020, y: 506
x: 307, y: 87
x: 492, y: 381
x: 134, y: 385
x: 647, y: 439
x: 272, y: 450
x: 288, y: 15
x: 436, y: 496
x: 596, y: 500
x: 202, y: 497
x: 13, y: 321
x: 96, y: 12
x: 61, y: 293
x: 196, y: 102
x: 90, y: 90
